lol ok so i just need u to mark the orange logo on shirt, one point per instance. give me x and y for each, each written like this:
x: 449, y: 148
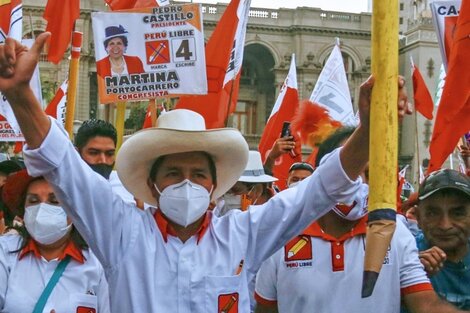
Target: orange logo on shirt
x: 83, y: 309
x: 298, y: 249
x: 228, y: 303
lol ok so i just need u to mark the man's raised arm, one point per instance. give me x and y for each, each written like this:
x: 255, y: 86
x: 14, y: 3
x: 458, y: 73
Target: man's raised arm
x: 355, y: 153
x: 17, y: 64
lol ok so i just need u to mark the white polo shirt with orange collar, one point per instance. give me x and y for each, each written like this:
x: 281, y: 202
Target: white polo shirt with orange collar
x: 82, y: 288
x: 316, y: 272
x: 151, y: 270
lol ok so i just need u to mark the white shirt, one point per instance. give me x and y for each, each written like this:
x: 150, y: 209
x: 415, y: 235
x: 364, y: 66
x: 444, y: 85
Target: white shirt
x: 148, y: 274
x: 119, y: 189
x: 324, y: 274
x: 22, y: 281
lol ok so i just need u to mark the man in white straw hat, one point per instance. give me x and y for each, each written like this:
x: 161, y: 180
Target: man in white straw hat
x: 251, y: 188
x: 179, y: 257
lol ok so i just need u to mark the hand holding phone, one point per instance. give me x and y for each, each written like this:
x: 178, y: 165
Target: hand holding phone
x: 286, y: 130
x: 287, y: 133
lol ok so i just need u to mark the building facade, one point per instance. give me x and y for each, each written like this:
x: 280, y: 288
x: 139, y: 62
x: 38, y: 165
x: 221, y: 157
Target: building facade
x: 272, y: 37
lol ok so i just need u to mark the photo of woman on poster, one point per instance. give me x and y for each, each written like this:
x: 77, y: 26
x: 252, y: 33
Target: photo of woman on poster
x: 117, y: 63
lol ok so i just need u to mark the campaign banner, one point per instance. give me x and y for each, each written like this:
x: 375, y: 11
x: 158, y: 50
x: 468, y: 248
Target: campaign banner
x: 7, y: 133
x: 445, y: 14
x: 149, y: 53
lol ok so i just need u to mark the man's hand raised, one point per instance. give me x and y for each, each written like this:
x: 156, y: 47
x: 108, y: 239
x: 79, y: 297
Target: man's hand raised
x: 17, y: 64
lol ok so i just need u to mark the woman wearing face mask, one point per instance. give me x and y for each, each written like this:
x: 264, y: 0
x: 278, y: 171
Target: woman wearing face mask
x: 252, y: 188
x: 46, y: 267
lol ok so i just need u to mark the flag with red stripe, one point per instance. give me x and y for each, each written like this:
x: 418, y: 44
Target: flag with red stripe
x: 224, y: 55
x: 283, y: 110
x: 453, y: 114
x: 58, y: 105
x: 11, y: 19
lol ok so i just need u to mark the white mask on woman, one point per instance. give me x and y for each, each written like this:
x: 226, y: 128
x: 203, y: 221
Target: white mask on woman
x: 184, y: 203
x: 46, y: 223
x: 232, y: 201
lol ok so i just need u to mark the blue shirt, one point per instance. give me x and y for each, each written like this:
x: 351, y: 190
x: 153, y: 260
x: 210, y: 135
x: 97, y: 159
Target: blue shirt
x: 452, y: 283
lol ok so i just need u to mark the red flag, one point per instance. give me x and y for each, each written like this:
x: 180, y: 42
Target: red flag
x: 11, y: 19
x: 60, y: 16
x: 148, y: 116
x: 224, y: 54
x: 453, y: 114
x: 18, y: 147
x: 57, y: 107
x: 283, y: 110
x: 130, y: 4
x: 421, y: 95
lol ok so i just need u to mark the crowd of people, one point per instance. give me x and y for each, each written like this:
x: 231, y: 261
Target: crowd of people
x: 191, y: 220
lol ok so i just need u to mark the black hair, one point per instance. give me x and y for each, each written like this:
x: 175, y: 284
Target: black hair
x: 93, y: 128
x: 333, y: 142
x: 158, y: 162
x: 123, y: 38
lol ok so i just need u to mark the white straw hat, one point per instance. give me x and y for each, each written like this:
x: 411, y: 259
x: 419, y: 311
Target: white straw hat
x: 254, y: 171
x: 180, y: 131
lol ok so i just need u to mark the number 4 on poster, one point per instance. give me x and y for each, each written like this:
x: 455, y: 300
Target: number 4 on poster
x: 184, y: 49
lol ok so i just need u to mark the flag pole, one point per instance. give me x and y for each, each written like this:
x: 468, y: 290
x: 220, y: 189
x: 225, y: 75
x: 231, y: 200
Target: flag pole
x: 229, y: 101
x: 119, y: 124
x: 418, y: 161
x: 153, y: 111
x: 384, y: 134
x: 77, y: 38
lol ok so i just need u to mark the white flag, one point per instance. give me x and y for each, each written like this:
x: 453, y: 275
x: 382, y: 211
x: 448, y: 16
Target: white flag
x: 236, y: 58
x: 332, y: 90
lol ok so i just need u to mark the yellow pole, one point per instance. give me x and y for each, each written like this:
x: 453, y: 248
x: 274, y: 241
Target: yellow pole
x: 383, y: 156
x: 120, y: 115
x: 77, y: 38
x: 153, y: 111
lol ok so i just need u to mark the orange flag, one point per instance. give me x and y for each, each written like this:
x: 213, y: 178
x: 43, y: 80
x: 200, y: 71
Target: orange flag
x: 224, y: 55
x: 60, y: 16
x: 421, y: 95
x: 283, y: 110
x: 453, y: 114
x: 148, y: 116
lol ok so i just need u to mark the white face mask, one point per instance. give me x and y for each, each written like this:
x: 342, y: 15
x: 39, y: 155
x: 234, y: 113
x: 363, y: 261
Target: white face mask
x: 184, y: 203
x: 46, y: 223
x: 232, y: 201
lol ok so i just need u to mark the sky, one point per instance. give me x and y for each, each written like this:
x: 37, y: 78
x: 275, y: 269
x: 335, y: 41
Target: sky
x: 354, y: 6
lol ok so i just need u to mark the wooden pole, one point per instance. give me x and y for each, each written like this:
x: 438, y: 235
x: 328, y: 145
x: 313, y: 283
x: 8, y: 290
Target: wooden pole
x: 383, y: 140
x: 153, y: 111
x: 77, y: 38
x: 119, y: 124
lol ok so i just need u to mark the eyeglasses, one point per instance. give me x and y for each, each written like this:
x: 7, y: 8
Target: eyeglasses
x: 301, y: 166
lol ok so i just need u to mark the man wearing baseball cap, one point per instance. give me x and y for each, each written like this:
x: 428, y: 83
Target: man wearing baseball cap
x: 176, y: 257
x: 443, y: 215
